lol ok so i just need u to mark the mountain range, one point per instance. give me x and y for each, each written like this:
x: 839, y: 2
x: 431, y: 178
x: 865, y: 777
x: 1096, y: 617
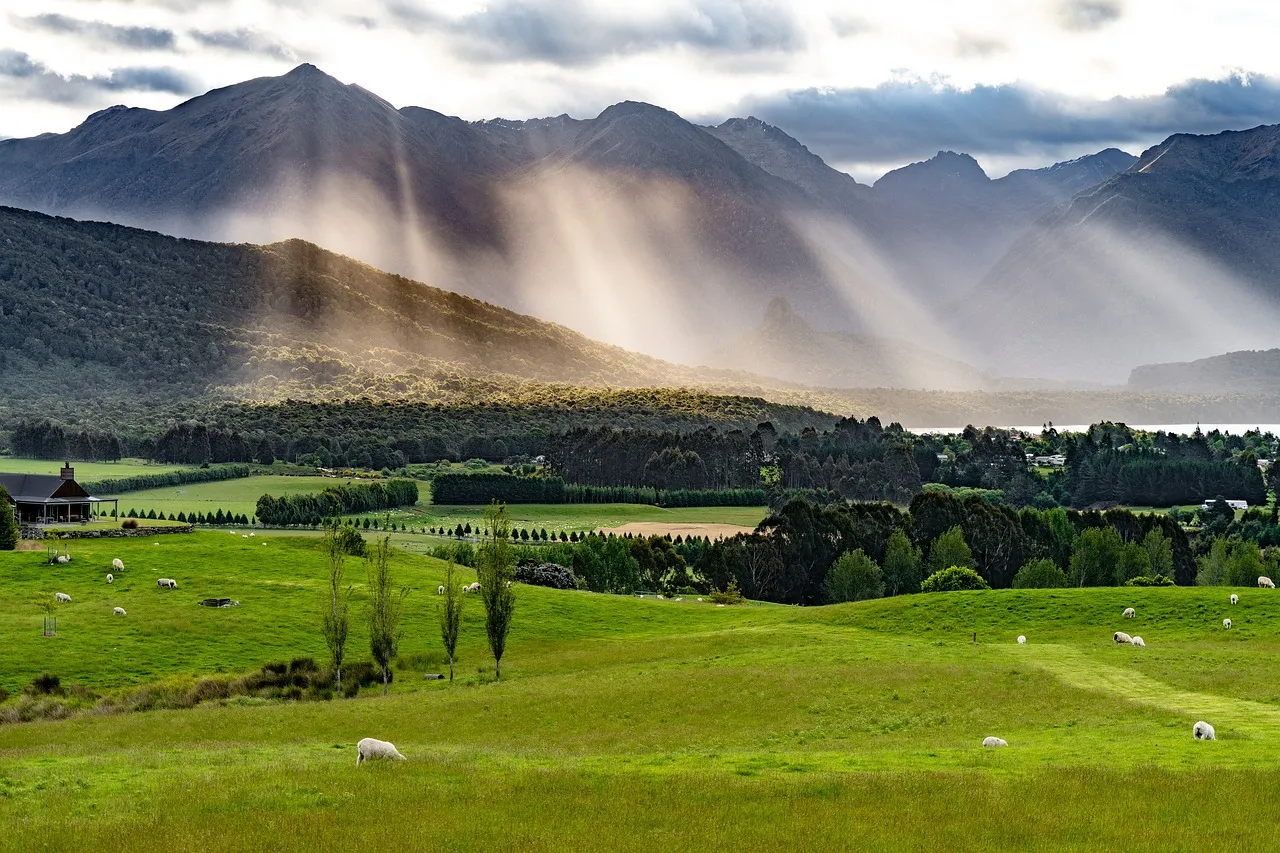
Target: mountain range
x: 656, y: 234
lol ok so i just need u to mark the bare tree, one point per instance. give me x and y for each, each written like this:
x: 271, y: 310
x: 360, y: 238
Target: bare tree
x: 451, y: 612
x: 385, y: 604
x: 495, y: 569
x: 334, y: 621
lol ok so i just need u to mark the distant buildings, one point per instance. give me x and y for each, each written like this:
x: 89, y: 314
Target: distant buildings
x: 1057, y: 460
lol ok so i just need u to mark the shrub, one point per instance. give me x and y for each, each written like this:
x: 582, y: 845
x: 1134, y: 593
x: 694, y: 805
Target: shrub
x: 350, y: 541
x: 1040, y: 574
x: 307, y: 665
x: 207, y: 690
x: 854, y: 577
x: 350, y: 689
x: 129, y: 524
x: 45, y: 684
x: 1143, y: 580
x: 731, y: 594
x: 279, y: 668
x: 954, y: 579
x: 545, y: 574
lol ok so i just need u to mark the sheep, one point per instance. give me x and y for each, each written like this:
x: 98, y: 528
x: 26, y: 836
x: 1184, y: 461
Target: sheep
x: 1121, y: 637
x: 440, y: 590
x: 699, y: 600
x: 1235, y: 599
x: 370, y: 748
x: 994, y: 741
x: 1129, y: 613
x: 62, y: 596
x: 63, y: 558
x: 1226, y: 623
x: 111, y: 578
x: 1203, y: 731
x: 1137, y: 641
x: 118, y: 611
x: 117, y: 564
x: 1264, y: 581
x: 475, y: 587
x: 1022, y: 641
x: 167, y: 583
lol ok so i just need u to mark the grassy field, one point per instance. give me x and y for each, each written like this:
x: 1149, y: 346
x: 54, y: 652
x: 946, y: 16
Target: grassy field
x: 628, y: 724
x: 86, y: 471
x: 237, y: 496
x: 577, y: 517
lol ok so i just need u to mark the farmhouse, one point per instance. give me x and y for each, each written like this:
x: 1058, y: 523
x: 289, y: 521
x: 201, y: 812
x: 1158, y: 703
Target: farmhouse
x: 46, y: 499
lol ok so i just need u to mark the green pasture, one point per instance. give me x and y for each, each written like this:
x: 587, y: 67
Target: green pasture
x: 575, y: 517
x: 236, y: 496
x: 87, y: 471
x: 628, y: 724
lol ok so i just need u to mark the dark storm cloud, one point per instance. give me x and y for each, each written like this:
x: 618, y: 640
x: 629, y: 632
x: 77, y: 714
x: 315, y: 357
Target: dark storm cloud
x: 895, y: 122
x: 243, y: 41
x: 25, y: 78
x: 1085, y: 15
x: 138, y: 38
x: 572, y: 33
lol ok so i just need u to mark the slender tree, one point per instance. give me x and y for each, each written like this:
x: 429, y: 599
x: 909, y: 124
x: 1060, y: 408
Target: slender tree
x: 495, y: 569
x: 385, y: 604
x: 334, y: 621
x: 8, y: 524
x: 451, y: 612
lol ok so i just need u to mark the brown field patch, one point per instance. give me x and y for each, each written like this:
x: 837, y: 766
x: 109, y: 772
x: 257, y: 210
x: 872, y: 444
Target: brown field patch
x: 674, y: 529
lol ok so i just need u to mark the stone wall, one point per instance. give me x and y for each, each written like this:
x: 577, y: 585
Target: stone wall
x: 28, y: 532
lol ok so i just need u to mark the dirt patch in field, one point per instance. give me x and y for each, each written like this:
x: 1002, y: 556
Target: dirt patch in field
x: 662, y: 528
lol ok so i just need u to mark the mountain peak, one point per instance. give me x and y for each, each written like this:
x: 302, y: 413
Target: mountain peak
x: 306, y: 69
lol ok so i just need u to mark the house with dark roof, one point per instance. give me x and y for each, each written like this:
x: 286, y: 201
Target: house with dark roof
x: 46, y: 499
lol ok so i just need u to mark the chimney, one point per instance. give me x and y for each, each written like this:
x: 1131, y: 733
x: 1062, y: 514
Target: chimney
x: 68, y: 473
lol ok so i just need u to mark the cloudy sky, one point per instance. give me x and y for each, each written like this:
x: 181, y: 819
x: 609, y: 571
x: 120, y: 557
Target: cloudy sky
x: 867, y: 85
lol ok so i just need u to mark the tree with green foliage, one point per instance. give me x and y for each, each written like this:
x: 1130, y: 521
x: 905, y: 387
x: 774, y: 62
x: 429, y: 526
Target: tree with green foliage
x: 954, y: 579
x: 1212, y: 567
x: 1096, y: 555
x: 1042, y: 573
x: 495, y: 569
x: 1244, y: 565
x: 1134, y: 562
x: 335, y: 624
x: 949, y: 550
x: 450, y: 612
x: 902, y: 565
x: 854, y: 577
x: 1159, y: 550
x: 8, y: 524
x: 385, y: 605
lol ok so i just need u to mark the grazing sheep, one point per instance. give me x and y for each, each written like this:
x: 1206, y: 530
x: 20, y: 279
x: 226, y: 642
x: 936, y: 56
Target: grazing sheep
x: 63, y: 558
x: 1022, y: 641
x: 1137, y: 641
x: 111, y: 578
x: 699, y: 599
x: 1129, y: 613
x: 62, y: 596
x: 994, y: 741
x: 1226, y: 623
x: 475, y: 587
x: 1121, y: 637
x: 440, y: 590
x: 370, y: 748
x: 1265, y: 581
x: 118, y: 611
x: 1235, y: 599
x: 1203, y: 731
x: 117, y: 564
x: 253, y: 534
x: 167, y: 583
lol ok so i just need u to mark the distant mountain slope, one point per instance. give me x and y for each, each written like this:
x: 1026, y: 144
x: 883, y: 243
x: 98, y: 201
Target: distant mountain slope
x: 1235, y: 372
x: 786, y: 347
x: 1179, y: 255
x: 623, y: 225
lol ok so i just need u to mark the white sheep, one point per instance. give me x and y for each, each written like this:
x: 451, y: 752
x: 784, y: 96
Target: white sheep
x: 1022, y: 641
x: 1121, y: 637
x: 1129, y: 613
x: 1265, y: 581
x: 1137, y: 641
x: 62, y: 596
x: 63, y: 558
x: 167, y: 583
x: 370, y: 748
x: 475, y: 587
x: 994, y: 741
x: 1235, y: 599
x: 117, y: 564
x: 699, y: 600
x: 111, y: 578
x: 440, y: 590
x: 118, y: 611
x: 1226, y: 623
x: 1203, y: 731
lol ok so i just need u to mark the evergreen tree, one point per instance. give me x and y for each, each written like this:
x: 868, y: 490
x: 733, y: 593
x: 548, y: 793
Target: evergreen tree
x: 8, y: 523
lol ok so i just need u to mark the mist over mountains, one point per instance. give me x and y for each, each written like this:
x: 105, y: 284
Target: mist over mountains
x: 647, y: 231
